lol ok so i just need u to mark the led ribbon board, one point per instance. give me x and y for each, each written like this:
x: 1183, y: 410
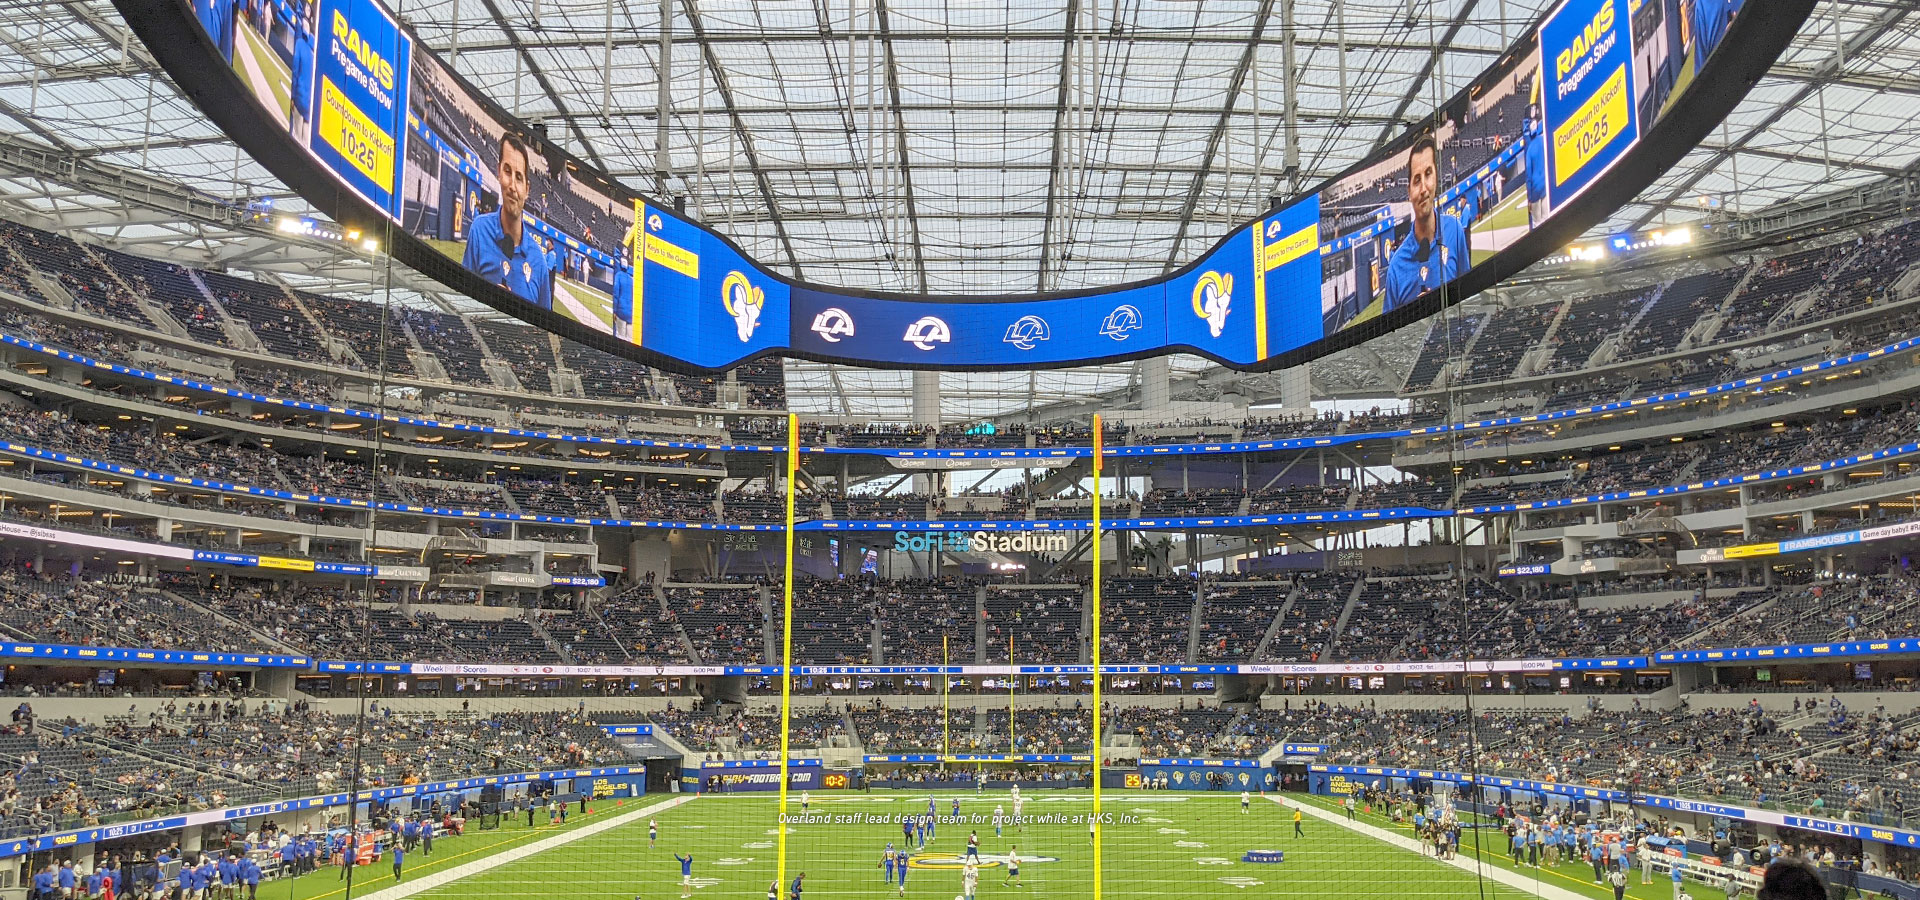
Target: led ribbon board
x: 338, y: 99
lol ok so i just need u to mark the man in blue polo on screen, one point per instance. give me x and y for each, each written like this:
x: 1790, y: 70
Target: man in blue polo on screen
x: 1435, y: 248
x: 500, y: 246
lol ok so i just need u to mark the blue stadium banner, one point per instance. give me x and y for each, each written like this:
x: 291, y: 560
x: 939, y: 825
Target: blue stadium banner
x: 359, y: 100
x: 64, y: 839
x: 1587, y: 100
x: 1205, y: 775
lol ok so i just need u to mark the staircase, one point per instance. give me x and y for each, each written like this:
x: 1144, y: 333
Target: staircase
x: 1280, y: 618
x: 1346, y: 612
x: 533, y: 622
x: 238, y: 335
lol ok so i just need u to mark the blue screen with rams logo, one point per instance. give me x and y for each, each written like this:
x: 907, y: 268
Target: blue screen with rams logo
x: 543, y: 234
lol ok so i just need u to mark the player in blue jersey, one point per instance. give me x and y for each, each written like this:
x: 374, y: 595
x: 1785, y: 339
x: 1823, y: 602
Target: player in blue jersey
x: 887, y: 861
x: 500, y: 248
x: 686, y: 873
x: 1435, y: 249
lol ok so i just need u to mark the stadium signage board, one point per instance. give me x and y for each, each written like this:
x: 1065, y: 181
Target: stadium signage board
x: 981, y: 542
x: 1585, y: 109
x: 39, y: 843
x: 152, y: 657
x: 1518, y: 571
x: 1320, y: 778
x: 1034, y: 456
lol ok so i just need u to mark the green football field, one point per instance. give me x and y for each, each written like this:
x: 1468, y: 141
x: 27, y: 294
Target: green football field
x: 263, y: 70
x: 1505, y: 223
x: 1162, y: 844
x: 588, y: 306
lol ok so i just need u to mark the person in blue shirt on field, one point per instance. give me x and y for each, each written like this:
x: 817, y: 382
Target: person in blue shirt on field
x: 888, y: 861
x: 250, y: 875
x: 426, y: 837
x: 399, y: 856
x: 43, y: 883
x: 1679, y: 874
x: 1435, y: 249
x: 500, y: 248
x: 686, y: 872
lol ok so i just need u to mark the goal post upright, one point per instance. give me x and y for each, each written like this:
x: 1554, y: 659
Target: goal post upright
x: 786, y: 650
x: 1098, y: 835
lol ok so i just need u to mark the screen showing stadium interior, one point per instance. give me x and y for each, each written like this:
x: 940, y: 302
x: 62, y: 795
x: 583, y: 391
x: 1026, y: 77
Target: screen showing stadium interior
x: 406, y: 135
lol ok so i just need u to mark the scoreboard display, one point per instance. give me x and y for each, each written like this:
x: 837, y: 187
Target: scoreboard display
x: 1545, y: 142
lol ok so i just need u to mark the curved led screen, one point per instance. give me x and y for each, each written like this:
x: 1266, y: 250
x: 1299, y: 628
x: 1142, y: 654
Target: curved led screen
x: 1590, y: 106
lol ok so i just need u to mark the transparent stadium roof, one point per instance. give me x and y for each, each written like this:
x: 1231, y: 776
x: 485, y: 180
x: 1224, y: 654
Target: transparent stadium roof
x: 949, y: 146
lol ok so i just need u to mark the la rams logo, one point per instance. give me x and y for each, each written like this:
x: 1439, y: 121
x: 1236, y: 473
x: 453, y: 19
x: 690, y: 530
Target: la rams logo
x: 743, y: 302
x: 832, y: 324
x: 928, y: 331
x: 654, y: 223
x: 1122, y: 322
x: 956, y: 863
x: 1273, y: 229
x: 1212, y: 296
x: 1027, y: 331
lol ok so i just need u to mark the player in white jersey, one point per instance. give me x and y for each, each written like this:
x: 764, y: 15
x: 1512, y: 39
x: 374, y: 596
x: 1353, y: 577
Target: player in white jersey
x: 1018, y: 825
x: 1245, y: 798
x: 969, y: 881
x: 804, y: 800
x: 999, y: 817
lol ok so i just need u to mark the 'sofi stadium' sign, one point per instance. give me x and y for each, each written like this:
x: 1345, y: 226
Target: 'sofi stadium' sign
x: 339, y: 100
x: 980, y: 542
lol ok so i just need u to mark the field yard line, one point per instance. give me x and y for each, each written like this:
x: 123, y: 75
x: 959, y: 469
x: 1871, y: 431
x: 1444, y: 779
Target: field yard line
x: 485, y: 864
x: 1511, y: 879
